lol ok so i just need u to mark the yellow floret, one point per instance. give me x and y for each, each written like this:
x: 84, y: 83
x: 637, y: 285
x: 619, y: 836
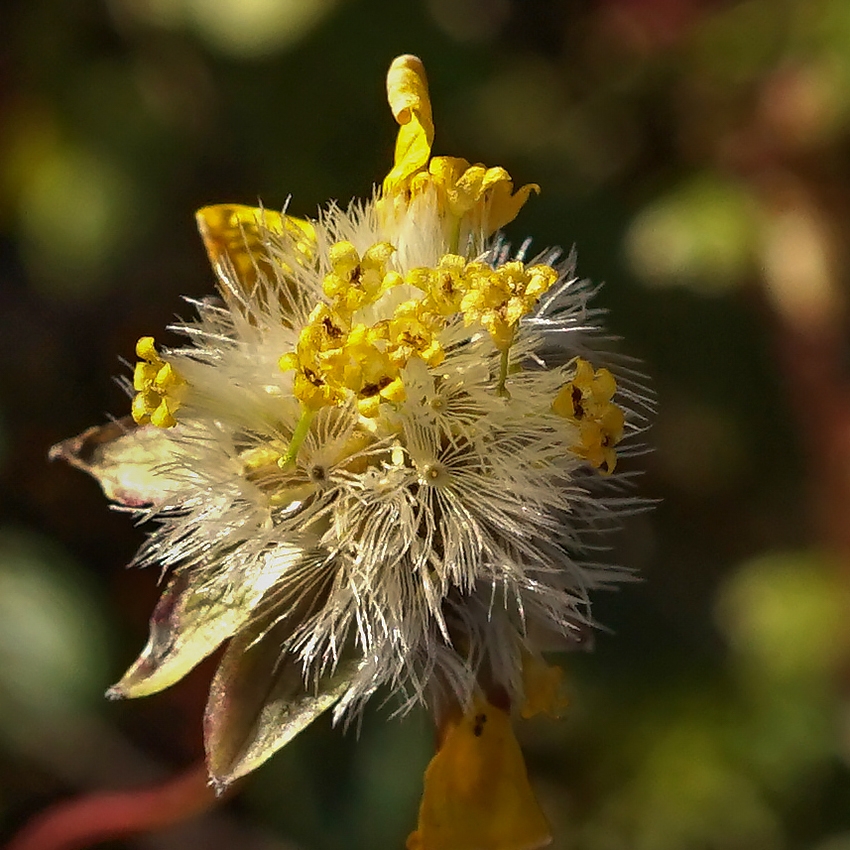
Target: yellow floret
x: 412, y: 332
x: 159, y: 387
x: 499, y: 298
x: 355, y: 282
x: 444, y: 286
x: 482, y: 196
x: 586, y: 402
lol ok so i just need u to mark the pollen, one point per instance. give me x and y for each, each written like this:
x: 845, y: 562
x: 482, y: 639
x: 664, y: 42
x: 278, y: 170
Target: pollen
x: 159, y: 387
x: 586, y: 402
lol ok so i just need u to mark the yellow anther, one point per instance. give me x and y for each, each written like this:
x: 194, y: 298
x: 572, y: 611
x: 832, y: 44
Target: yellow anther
x: 166, y: 378
x: 159, y: 387
x: 394, y: 391
x: 144, y: 375
x: 371, y: 395
x: 288, y: 361
x: 162, y: 417
x: 586, y: 402
x: 344, y: 258
x: 369, y: 407
x: 146, y: 350
x: 345, y: 265
x: 378, y: 256
x: 391, y: 279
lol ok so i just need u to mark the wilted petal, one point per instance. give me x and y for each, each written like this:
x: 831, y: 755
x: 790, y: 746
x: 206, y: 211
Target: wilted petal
x: 186, y: 626
x: 477, y: 793
x: 259, y: 700
x: 131, y: 463
x: 193, y: 618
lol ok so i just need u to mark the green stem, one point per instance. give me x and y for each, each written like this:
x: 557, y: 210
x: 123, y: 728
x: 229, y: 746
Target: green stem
x: 298, y: 437
x: 501, y: 389
x: 454, y: 240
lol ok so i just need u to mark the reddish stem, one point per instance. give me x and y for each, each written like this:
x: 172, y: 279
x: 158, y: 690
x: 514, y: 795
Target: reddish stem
x: 99, y: 817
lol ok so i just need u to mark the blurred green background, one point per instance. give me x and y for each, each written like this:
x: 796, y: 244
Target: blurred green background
x: 696, y: 153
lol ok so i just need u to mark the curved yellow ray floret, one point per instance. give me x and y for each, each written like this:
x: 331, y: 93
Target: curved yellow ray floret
x: 482, y: 196
x: 407, y: 92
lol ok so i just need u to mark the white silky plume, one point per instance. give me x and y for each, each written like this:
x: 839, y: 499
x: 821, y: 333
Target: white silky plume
x: 434, y: 543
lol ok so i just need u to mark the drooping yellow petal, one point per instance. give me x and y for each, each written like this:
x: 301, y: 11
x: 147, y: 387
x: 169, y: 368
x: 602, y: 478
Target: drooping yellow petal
x: 237, y: 233
x: 505, y: 206
x: 477, y: 795
x: 407, y: 92
x: 543, y: 686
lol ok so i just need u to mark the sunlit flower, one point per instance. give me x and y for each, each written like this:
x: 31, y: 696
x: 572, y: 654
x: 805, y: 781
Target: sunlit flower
x: 381, y: 463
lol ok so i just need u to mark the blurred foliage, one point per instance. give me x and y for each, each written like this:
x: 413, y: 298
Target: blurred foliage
x: 696, y: 154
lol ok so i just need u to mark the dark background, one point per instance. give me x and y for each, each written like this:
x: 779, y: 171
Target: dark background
x: 696, y: 153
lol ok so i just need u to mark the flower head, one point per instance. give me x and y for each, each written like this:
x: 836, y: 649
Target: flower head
x: 378, y: 463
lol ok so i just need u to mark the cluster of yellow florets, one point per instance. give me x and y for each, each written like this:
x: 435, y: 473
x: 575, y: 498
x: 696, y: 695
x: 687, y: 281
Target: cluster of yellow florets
x: 337, y: 356
x: 499, y: 298
x: 158, y: 387
x: 585, y: 401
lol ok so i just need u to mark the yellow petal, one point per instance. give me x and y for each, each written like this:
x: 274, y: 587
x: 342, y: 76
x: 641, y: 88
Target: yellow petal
x: 146, y: 349
x: 477, y: 795
x: 407, y: 92
x: 238, y: 234
x: 504, y: 206
x: 543, y: 688
x: 163, y: 416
